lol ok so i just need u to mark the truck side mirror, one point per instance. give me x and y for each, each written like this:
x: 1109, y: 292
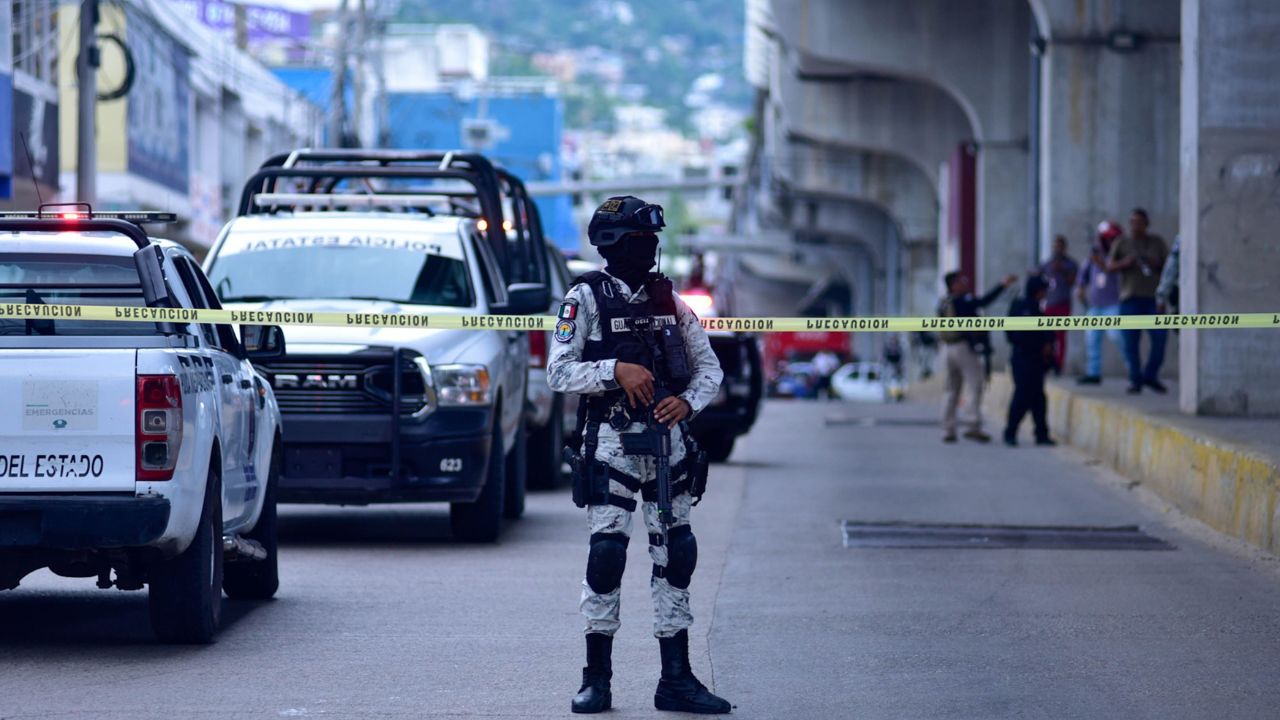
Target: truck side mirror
x: 151, y: 276
x: 262, y: 342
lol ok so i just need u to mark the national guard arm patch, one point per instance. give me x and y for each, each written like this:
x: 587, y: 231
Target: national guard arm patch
x: 568, y: 310
x: 564, y: 331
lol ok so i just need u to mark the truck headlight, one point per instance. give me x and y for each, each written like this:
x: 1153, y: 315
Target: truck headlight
x: 462, y: 385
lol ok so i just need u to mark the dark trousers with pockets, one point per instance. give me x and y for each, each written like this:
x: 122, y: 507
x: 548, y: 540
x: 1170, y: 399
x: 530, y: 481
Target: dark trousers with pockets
x: 1138, y: 373
x: 1028, y: 395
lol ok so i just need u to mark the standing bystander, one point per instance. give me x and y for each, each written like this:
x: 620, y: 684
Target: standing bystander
x: 1099, y: 290
x: 1029, y: 362
x: 965, y: 353
x: 1060, y: 272
x: 1139, y: 257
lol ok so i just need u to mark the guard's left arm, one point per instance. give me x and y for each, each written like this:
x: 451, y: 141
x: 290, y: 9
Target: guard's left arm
x: 704, y: 366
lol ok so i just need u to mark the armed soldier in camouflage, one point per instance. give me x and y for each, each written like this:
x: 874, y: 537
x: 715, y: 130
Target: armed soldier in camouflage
x: 599, y: 353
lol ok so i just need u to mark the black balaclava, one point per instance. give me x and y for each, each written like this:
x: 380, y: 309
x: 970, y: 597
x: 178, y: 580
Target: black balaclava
x: 631, y: 258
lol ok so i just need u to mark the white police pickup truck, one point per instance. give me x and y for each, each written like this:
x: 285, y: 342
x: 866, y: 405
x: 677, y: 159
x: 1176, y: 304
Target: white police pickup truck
x: 150, y: 449
x: 402, y: 412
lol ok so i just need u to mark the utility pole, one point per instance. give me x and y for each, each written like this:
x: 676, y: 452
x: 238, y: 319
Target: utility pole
x: 383, y: 113
x: 87, y: 81
x: 362, y: 37
x: 241, y: 26
x: 337, y: 103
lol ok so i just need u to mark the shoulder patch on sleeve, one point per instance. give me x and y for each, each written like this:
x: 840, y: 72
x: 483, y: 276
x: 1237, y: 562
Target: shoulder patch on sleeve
x: 565, y: 330
x: 568, y: 310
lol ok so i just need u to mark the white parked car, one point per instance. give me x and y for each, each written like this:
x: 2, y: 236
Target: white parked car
x: 145, y: 449
x: 866, y: 382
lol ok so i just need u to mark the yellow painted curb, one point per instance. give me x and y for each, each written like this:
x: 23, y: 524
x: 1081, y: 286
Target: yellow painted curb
x: 1233, y: 490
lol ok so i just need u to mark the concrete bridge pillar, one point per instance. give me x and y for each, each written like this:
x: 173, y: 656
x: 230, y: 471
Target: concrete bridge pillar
x: 1229, y: 209
x: 1108, y: 122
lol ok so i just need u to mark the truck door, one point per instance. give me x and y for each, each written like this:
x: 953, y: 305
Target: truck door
x: 515, y: 347
x: 233, y: 390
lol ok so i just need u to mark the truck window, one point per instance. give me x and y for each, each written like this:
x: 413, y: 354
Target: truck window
x: 188, y: 277
x: 58, y: 279
x: 227, y: 338
x: 414, y: 269
x: 495, y: 290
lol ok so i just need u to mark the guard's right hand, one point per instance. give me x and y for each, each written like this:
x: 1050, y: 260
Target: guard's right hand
x: 636, y: 380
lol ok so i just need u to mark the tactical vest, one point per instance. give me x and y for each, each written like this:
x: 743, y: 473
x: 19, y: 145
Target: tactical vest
x: 617, y: 317
x: 619, y: 341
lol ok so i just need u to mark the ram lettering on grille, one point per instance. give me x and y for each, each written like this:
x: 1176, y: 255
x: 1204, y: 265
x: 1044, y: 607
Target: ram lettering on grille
x: 285, y: 381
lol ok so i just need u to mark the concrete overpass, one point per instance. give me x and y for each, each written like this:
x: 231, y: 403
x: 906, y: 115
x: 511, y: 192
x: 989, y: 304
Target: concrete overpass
x: 920, y: 136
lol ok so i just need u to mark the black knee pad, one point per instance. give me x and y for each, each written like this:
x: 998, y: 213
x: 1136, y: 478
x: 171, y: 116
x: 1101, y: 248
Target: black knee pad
x: 607, y: 560
x: 682, y: 556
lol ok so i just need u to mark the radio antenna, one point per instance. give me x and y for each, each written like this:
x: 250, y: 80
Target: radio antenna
x: 31, y: 166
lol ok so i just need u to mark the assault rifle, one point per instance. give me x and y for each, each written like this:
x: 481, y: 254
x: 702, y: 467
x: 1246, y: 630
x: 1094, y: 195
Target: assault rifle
x: 655, y: 440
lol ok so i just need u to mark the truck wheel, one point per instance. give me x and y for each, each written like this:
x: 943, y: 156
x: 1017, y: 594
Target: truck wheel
x: 481, y: 521
x: 546, y: 445
x: 517, y: 475
x: 719, y: 446
x: 186, y: 591
x: 259, y: 579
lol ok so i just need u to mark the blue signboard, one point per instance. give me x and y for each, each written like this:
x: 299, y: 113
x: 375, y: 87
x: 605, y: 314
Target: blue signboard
x: 316, y: 86
x: 519, y: 130
x: 159, y: 105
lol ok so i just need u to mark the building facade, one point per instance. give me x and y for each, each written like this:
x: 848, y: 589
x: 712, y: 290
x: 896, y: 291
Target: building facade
x: 193, y: 118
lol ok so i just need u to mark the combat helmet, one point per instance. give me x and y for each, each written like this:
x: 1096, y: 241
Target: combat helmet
x: 620, y: 215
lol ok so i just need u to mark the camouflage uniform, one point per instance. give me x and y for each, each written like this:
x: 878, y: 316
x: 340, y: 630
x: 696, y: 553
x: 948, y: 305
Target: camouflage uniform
x: 566, y: 372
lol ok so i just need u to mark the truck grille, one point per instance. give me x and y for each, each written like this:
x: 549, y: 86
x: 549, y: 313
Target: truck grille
x: 359, y: 384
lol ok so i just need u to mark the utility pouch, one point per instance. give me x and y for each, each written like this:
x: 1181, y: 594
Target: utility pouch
x: 673, y: 350
x: 699, y: 469
x: 577, y: 477
x: 596, y: 482
x: 590, y: 479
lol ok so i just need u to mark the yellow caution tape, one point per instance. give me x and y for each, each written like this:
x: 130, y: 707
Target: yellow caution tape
x: 1210, y: 321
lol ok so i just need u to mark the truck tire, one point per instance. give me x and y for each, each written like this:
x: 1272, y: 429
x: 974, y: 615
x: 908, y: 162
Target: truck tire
x: 517, y: 475
x: 546, y: 446
x: 259, y: 579
x: 719, y: 445
x: 481, y: 521
x: 186, y: 591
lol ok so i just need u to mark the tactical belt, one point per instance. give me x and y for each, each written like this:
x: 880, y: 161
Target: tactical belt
x: 598, y: 408
x: 648, y: 490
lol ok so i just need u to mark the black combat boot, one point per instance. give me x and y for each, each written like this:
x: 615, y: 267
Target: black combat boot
x: 679, y: 690
x: 595, y: 696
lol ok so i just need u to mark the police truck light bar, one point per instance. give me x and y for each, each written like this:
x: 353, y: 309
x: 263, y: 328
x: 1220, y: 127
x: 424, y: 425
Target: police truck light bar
x: 136, y: 217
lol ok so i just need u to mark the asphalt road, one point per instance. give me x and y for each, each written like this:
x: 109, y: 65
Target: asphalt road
x: 381, y: 615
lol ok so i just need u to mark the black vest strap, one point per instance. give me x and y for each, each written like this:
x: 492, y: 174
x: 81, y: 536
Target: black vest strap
x: 628, y: 504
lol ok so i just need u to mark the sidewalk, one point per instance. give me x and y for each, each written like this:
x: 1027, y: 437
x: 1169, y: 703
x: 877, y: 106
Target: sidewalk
x: 1224, y: 472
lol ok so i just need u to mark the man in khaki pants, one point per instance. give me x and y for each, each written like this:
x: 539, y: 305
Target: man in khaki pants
x: 965, y: 354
